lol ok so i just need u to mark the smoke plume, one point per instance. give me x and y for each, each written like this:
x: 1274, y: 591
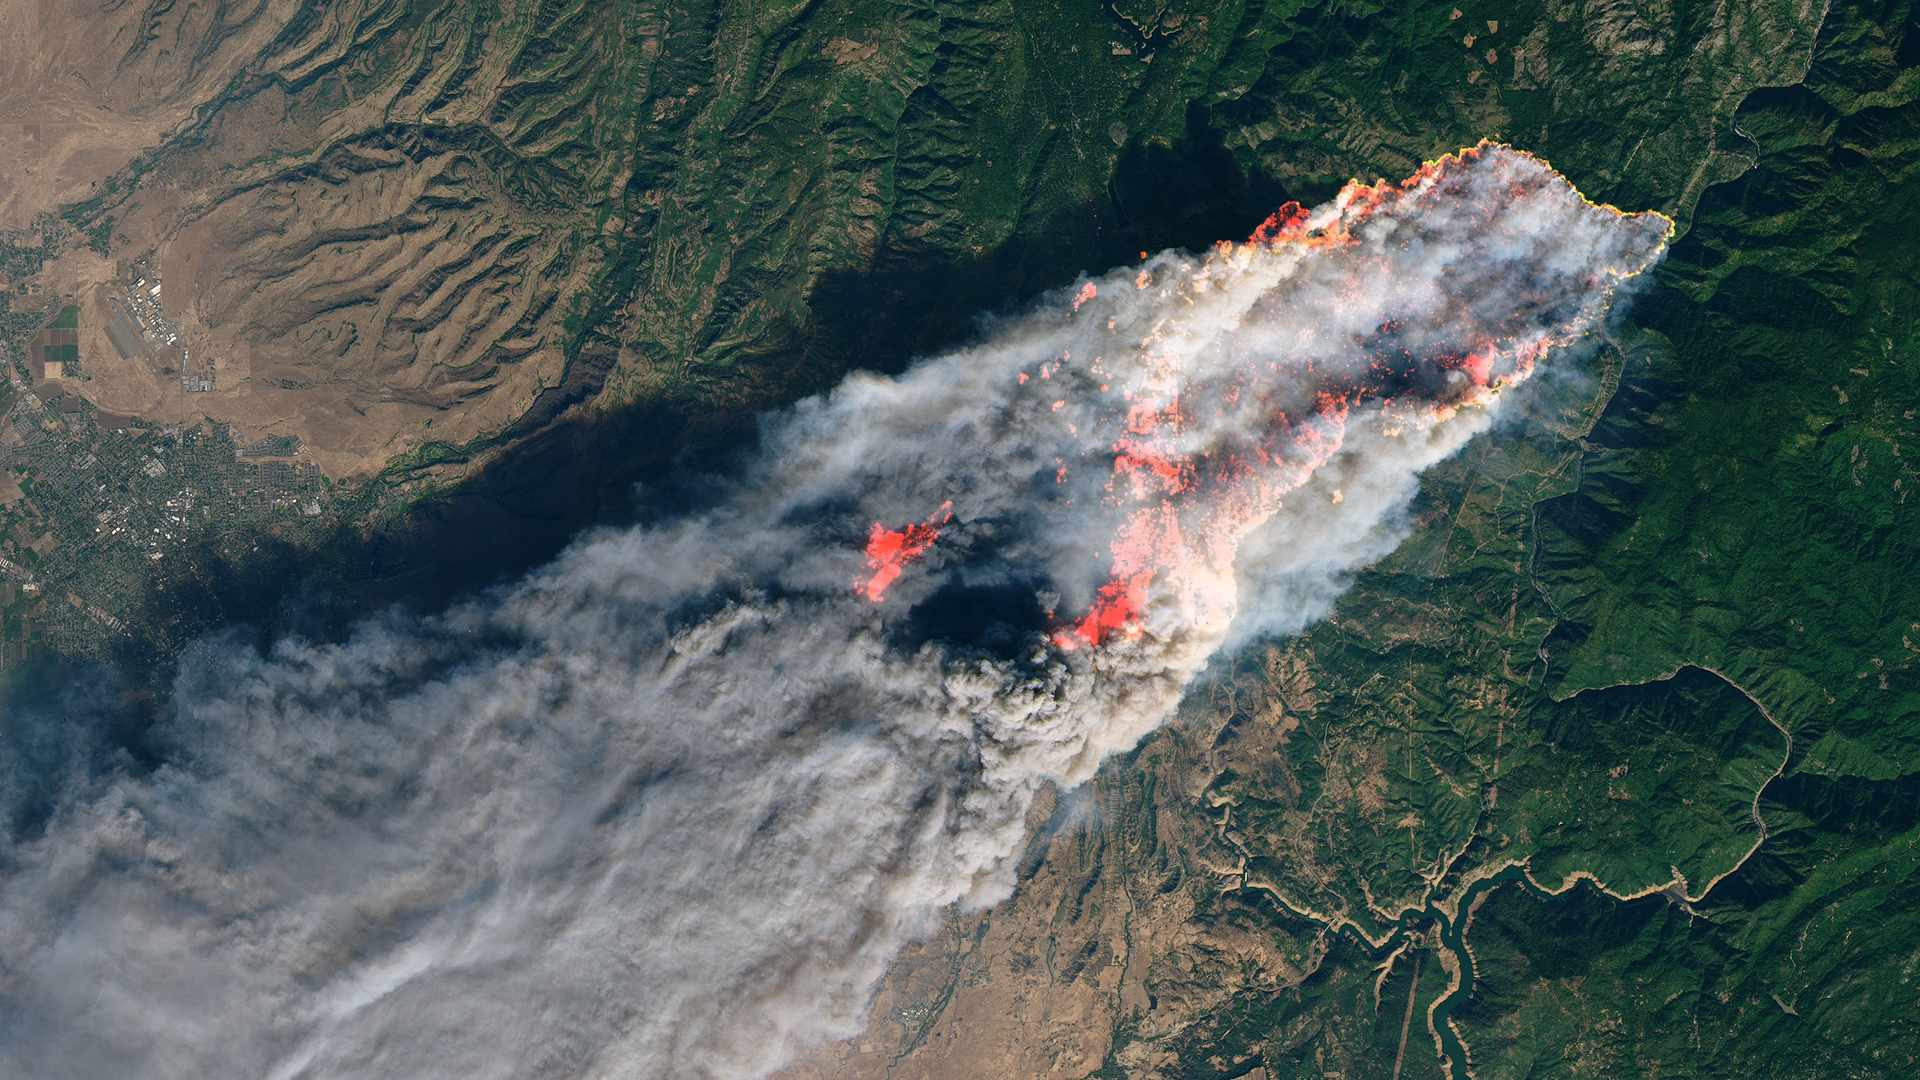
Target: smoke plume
x: 669, y: 804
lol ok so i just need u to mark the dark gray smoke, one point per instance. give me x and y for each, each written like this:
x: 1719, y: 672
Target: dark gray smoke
x: 670, y: 804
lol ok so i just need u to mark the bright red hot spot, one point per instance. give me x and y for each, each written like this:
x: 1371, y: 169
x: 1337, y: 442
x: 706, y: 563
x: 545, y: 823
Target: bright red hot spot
x: 1192, y: 511
x: 1184, y: 505
x: 889, y: 550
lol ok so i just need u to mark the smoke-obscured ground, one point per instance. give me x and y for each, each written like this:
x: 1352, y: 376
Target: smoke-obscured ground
x: 671, y: 802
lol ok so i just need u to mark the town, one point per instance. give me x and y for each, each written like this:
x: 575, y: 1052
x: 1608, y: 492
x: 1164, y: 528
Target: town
x: 90, y: 501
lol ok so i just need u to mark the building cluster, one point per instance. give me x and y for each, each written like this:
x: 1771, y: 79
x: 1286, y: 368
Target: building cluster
x: 140, y: 327
x: 143, y: 299
x: 86, y: 511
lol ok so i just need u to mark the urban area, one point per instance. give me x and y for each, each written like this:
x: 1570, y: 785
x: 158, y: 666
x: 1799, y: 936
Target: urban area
x: 90, y: 502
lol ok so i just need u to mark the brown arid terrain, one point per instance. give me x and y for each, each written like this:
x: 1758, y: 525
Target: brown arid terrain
x: 1129, y: 926
x: 393, y: 231
x: 444, y: 245
x: 349, y: 286
x: 85, y: 87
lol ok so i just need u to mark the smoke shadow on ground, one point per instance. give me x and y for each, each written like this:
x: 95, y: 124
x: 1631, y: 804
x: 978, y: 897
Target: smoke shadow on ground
x: 995, y: 618
x: 58, y: 720
x: 566, y: 470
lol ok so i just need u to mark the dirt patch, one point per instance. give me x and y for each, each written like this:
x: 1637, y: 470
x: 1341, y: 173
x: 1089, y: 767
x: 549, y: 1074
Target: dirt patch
x: 84, y: 87
x: 849, y: 51
x: 180, y: 262
x: 120, y: 384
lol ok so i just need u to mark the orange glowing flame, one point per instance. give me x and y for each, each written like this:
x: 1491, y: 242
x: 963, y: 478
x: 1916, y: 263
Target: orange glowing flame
x: 1182, y: 501
x: 1154, y: 543
x: 1284, y: 220
x: 889, y: 550
x: 1191, y: 512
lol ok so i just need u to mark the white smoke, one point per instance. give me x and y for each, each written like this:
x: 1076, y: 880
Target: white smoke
x: 670, y: 804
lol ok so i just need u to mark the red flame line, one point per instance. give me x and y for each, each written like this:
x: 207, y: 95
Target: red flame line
x: 889, y: 550
x: 1219, y: 500
x: 1284, y: 220
x: 1189, y: 511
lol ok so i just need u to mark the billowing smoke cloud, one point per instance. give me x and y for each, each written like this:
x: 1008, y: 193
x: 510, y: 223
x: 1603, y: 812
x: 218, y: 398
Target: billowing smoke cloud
x: 671, y: 802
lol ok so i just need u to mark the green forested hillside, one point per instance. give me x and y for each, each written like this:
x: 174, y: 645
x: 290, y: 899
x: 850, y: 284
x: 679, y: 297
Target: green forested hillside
x: 1635, y: 706
x: 1629, y: 727
x: 1740, y: 507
